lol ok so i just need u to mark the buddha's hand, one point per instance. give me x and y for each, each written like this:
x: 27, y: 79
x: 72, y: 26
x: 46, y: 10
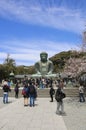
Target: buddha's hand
x: 50, y: 72
x: 38, y: 73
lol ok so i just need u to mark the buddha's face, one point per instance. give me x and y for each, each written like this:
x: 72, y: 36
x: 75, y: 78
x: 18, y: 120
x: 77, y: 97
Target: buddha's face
x: 43, y: 57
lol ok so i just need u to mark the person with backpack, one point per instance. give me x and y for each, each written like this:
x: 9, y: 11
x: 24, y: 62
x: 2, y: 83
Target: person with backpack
x: 25, y: 93
x: 59, y: 96
x: 32, y: 94
x: 51, y: 92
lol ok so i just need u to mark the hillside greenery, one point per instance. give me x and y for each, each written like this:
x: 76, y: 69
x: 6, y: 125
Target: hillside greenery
x: 59, y: 60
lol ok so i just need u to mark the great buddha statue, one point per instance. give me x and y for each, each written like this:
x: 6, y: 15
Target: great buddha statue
x: 44, y: 66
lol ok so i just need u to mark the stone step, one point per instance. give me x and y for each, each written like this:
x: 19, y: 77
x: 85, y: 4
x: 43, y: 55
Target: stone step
x: 73, y: 92
x: 70, y: 92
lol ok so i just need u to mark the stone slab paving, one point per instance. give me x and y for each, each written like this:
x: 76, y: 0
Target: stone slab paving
x: 75, y: 118
x: 41, y: 117
x: 14, y: 116
x: 11, y: 100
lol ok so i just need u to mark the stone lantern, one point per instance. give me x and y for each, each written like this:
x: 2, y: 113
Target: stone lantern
x: 11, y: 76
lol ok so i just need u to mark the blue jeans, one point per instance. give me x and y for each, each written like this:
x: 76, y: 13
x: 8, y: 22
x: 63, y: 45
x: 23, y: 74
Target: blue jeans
x: 5, y: 97
x: 32, y: 100
x: 82, y: 98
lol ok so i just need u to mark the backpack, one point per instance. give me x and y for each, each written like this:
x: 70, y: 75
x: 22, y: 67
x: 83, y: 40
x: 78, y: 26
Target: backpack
x: 63, y: 95
x: 31, y: 89
x: 24, y: 91
x: 59, y: 96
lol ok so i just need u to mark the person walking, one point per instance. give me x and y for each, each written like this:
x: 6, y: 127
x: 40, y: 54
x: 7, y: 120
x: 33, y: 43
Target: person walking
x: 81, y: 93
x: 51, y: 92
x: 59, y: 98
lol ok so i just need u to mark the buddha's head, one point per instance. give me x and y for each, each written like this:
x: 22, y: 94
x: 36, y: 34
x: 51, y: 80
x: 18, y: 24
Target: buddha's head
x: 43, y: 56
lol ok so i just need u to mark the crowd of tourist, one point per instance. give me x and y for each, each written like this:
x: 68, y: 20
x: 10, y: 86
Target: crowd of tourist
x: 29, y: 91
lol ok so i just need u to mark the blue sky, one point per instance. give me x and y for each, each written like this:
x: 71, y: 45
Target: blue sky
x: 28, y: 27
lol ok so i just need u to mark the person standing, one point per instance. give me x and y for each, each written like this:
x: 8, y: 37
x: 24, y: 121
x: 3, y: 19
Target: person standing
x: 25, y: 93
x: 81, y: 93
x: 51, y: 92
x: 16, y: 89
x: 6, y: 89
x: 32, y: 94
x: 59, y: 98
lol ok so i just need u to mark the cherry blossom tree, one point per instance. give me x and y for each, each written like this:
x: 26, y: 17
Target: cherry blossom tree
x: 75, y: 66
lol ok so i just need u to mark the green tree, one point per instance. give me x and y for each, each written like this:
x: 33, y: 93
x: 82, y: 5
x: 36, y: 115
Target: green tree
x: 9, y: 66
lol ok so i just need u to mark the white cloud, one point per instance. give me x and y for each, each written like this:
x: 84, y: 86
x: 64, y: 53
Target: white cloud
x: 29, y: 51
x: 60, y: 17
x: 37, y: 13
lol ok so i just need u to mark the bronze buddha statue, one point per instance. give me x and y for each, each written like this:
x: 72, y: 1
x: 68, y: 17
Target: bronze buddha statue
x: 44, y: 66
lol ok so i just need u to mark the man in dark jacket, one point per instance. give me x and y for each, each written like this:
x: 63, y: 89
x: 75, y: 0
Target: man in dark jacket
x: 59, y: 98
x: 52, y: 92
x: 32, y: 94
x: 16, y: 89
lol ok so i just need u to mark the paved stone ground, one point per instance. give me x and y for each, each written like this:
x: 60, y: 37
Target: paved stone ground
x: 14, y: 116
x: 11, y: 100
x: 75, y: 118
